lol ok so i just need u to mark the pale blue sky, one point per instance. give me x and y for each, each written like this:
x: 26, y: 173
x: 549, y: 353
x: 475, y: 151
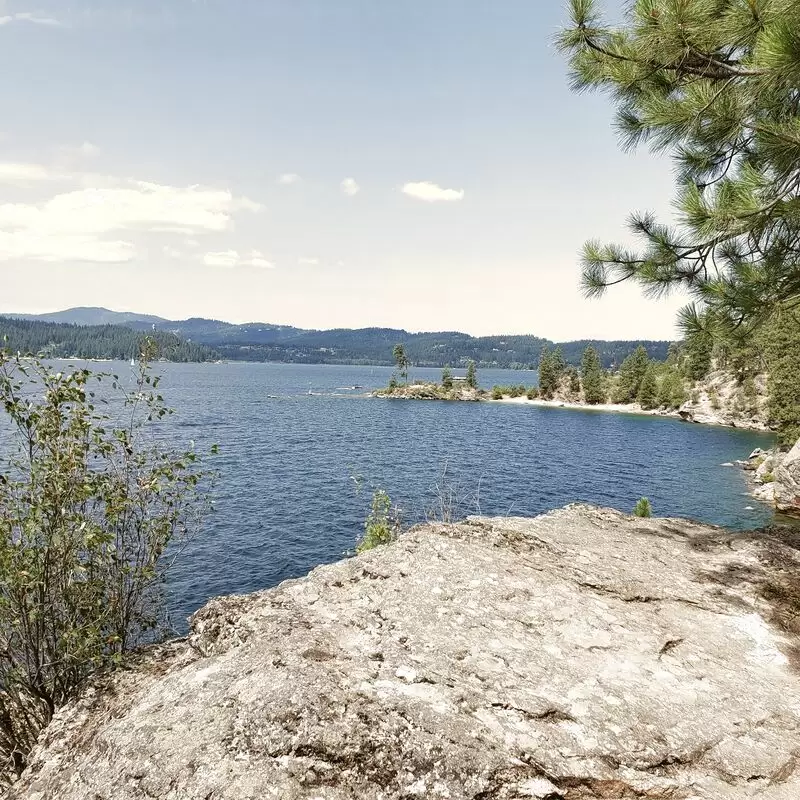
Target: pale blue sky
x: 418, y: 164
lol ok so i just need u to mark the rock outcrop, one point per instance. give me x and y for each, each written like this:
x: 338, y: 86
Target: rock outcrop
x: 776, y: 478
x: 786, y: 483
x: 431, y: 391
x: 582, y: 654
x: 719, y: 399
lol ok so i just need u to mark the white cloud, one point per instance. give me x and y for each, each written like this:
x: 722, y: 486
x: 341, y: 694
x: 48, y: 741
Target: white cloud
x: 20, y: 173
x: 27, y: 16
x: 172, y: 252
x: 85, y: 224
x: 308, y: 262
x: 228, y: 259
x: 83, y: 150
x: 350, y: 187
x: 432, y: 193
x: 288, y: 178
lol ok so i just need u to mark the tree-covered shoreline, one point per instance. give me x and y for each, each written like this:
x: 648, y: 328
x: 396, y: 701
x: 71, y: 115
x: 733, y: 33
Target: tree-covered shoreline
x: 360, y: 347
x: 62, y: 340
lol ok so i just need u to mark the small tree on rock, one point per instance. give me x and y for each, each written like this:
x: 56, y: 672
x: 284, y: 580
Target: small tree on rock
x: 472, y: 375
x: 447, y: 378
x: 401, y: 359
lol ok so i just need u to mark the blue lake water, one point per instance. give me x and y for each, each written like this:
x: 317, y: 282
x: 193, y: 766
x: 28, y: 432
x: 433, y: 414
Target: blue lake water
x: 286, y: 498
x: 292, y: 439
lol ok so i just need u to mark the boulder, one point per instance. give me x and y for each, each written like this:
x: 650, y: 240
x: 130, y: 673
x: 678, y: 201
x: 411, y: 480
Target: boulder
x: 787, y: 482
x: 582, y: 654
x: 765, y: 492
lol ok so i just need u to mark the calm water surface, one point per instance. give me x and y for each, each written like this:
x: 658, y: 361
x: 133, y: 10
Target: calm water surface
x: 292, y: 437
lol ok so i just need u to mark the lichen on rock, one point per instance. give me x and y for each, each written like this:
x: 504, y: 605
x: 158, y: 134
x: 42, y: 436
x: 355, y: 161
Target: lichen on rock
x: 582, y: 654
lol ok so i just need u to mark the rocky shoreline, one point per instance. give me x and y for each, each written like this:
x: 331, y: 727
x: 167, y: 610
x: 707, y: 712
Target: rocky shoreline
x: 775, y: 478
x: 703, y: 410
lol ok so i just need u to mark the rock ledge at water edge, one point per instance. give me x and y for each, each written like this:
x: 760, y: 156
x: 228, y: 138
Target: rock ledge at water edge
x: 581, y: 654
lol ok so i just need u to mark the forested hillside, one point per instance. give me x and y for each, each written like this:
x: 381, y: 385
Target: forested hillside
x: 373, y: 346
x: 97, y: 341
x: 260, y: 341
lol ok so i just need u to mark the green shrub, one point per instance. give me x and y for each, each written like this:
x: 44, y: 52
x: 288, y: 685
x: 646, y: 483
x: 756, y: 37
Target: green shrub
x: 767, y: 477
x: 497, y: 393
x: 643, y: 508
x: 516, y: 391
x: 382, y: 524
x: 88, y: 505
x: 447, y: 378
x: 532, y: 393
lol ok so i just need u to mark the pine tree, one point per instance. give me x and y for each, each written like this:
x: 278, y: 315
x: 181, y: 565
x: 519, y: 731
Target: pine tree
x: 647, y: 396
x: 592, y: 377
x: 400, y: 357
x: 547, y: 376
x: 698, y: 348
x: 671, y: 392
x: 472, y: 375
x: 631, y: 373
x: 782, y: 342
x: 559, y: 365
x: 574, y: 380
x: 447, y: 378
x: 714, y: 82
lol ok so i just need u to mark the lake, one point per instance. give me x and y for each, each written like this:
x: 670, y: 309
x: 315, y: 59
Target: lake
x: 301, y: 452
x: 291, y: 462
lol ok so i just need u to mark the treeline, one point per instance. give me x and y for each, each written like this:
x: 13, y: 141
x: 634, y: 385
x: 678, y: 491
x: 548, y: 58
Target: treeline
x: 370, y: 346
x: 259, y: 341
x: 640, y: 379
x: 58, y: 340
x: 771, y: 348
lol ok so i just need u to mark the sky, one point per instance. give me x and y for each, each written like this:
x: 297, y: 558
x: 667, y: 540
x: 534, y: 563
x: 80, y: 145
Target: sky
x: 419, y: 164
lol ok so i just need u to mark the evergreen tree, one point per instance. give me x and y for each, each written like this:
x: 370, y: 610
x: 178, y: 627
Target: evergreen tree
x: 551, y: 369
x: 592, y: 377
x: 574, y: 380
x: 643, y: 508
x: 559, y: 364
x: 547, y: 376
x: 647, y: 396
x: 631, y: 373
x: 714, y: 82
x: 698, y: 348
x: 782, y: 342
x: 401, y: 359
x: 671, y: 392
x: 447, y: 378
x: 472, y: 375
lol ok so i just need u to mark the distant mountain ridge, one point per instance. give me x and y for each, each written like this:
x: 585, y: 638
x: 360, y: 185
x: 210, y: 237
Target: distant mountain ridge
x: 261, y: 341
